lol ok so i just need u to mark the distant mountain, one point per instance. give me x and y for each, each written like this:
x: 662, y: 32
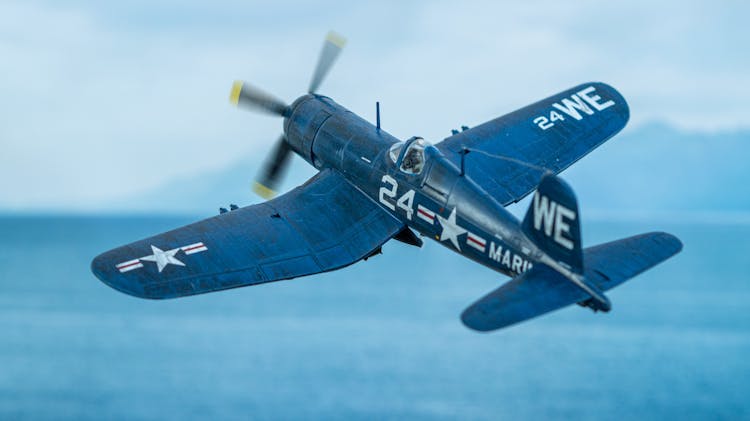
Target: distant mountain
x: 204, y: 193
x: 653, y: 168
x: 659, y: 168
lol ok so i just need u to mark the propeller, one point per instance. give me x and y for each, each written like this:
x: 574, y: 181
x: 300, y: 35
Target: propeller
x: 245, y: 95
x: 328, y: 55
x: 274, y: 169
x: 248, y: 96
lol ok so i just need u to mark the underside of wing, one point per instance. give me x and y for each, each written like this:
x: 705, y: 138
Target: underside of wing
x: 325, y: 224
x: 541, y: 289
x: 550, y: 135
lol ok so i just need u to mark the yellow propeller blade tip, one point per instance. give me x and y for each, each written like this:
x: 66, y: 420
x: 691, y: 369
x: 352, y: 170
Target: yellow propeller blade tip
x: 336, y: 39
x: 263, y: 191
x: 234, y: 95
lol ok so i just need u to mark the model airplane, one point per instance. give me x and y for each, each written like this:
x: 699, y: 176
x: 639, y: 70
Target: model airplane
x: 373, y: 187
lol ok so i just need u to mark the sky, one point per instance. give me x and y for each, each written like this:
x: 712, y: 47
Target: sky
x: 101, y: 100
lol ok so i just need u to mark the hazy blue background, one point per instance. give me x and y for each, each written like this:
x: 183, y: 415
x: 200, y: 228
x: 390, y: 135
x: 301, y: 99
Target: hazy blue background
x: 115, y: 124
x: 101, y: 100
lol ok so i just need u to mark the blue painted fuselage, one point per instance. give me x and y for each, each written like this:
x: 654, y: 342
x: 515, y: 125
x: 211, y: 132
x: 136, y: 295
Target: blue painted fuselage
x: 438, y: 202
x: 373, y: 187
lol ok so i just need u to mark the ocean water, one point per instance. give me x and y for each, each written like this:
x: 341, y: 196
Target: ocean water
x: 377, y: 340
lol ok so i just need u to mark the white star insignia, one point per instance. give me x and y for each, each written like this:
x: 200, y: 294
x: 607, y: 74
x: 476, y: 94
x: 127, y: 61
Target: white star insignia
x: 451, y: 230
x: 163, y: 258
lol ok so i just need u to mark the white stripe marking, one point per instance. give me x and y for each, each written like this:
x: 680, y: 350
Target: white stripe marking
x: 476, y: 241
x: 194, y: 248
x: 136, y: 263
x: 129, y: 265
x: 425, y: 214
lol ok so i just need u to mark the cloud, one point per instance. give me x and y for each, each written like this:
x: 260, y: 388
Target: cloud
x: 101, y: 100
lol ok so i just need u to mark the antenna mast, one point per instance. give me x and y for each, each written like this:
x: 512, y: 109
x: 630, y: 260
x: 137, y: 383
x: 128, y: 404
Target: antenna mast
x: 377, y: 114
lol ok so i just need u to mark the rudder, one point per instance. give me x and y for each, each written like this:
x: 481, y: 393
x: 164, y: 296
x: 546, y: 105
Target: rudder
x: 553, y: 223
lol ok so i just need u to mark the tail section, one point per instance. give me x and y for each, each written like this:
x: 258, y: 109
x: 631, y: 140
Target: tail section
x: 553, y: 224
x: 542, y: 289
x: 565, y: 273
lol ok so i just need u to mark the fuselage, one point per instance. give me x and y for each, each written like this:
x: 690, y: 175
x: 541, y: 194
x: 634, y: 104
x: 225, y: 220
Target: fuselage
x: 433, y: 197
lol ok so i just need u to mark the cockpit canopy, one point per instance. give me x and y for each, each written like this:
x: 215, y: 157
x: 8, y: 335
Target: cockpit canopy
x: 414, y: 158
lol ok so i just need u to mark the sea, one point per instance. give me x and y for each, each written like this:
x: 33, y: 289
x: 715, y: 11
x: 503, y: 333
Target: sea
x: 381, y: 339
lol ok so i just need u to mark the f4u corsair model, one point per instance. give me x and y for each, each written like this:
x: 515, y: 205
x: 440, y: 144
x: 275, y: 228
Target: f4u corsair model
x: 373, y: 187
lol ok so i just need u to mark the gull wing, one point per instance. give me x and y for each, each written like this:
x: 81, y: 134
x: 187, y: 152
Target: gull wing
x: 549, y: 135
x: 323, y: 225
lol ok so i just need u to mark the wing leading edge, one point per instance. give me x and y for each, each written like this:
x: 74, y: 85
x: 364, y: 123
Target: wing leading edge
x: 322, y: 225
x: 551, y: 135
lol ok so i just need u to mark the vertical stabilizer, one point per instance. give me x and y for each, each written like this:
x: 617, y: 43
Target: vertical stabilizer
x: 553, y: 223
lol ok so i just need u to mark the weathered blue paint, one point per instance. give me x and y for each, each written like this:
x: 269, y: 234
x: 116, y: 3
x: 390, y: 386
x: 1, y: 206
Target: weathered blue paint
x: 322, y: 225
x: 517, y: 136
x: 362, y: 198
x: 563, y: 196
x: 542, y: 290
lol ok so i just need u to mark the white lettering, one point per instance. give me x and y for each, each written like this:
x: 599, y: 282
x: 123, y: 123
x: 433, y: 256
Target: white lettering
x: 594, y: 99
x: 555, y: 116
x: 543, y: 123
x: 554, y: 219
x: 389, y: 192
x: 517, y: 261
x: 496, y: 252
x: 561, y: 226
x: 571, y: 107
x: 406, y: 202
x: 506, y: 259
x: 512, y: 261
x: 544, y: 210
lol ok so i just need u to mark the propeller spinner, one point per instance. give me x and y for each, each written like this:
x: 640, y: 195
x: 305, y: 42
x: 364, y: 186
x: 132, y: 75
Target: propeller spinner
x: 247, y: 96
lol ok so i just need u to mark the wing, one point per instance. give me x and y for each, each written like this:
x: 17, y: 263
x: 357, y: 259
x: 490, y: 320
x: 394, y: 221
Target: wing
x: 322, y: 225
x: 551, y: 134
x: 541, y: 289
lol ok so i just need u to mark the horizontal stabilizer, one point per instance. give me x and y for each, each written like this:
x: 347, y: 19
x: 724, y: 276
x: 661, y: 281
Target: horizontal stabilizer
x: 610, y: 264
x: 542, y: 289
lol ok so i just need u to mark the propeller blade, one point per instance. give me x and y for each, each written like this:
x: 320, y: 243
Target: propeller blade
x: 248, y: 96
x: 273, y: 170
x: 331, y: 49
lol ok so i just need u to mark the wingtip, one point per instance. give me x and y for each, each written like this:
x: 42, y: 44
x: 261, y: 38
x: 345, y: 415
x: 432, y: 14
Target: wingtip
x: 263, y: 191
x: 102, y: 268
x: 336, y: 39
x: 672, y: 241
x: 475, y: 320
x: 234, y: 94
